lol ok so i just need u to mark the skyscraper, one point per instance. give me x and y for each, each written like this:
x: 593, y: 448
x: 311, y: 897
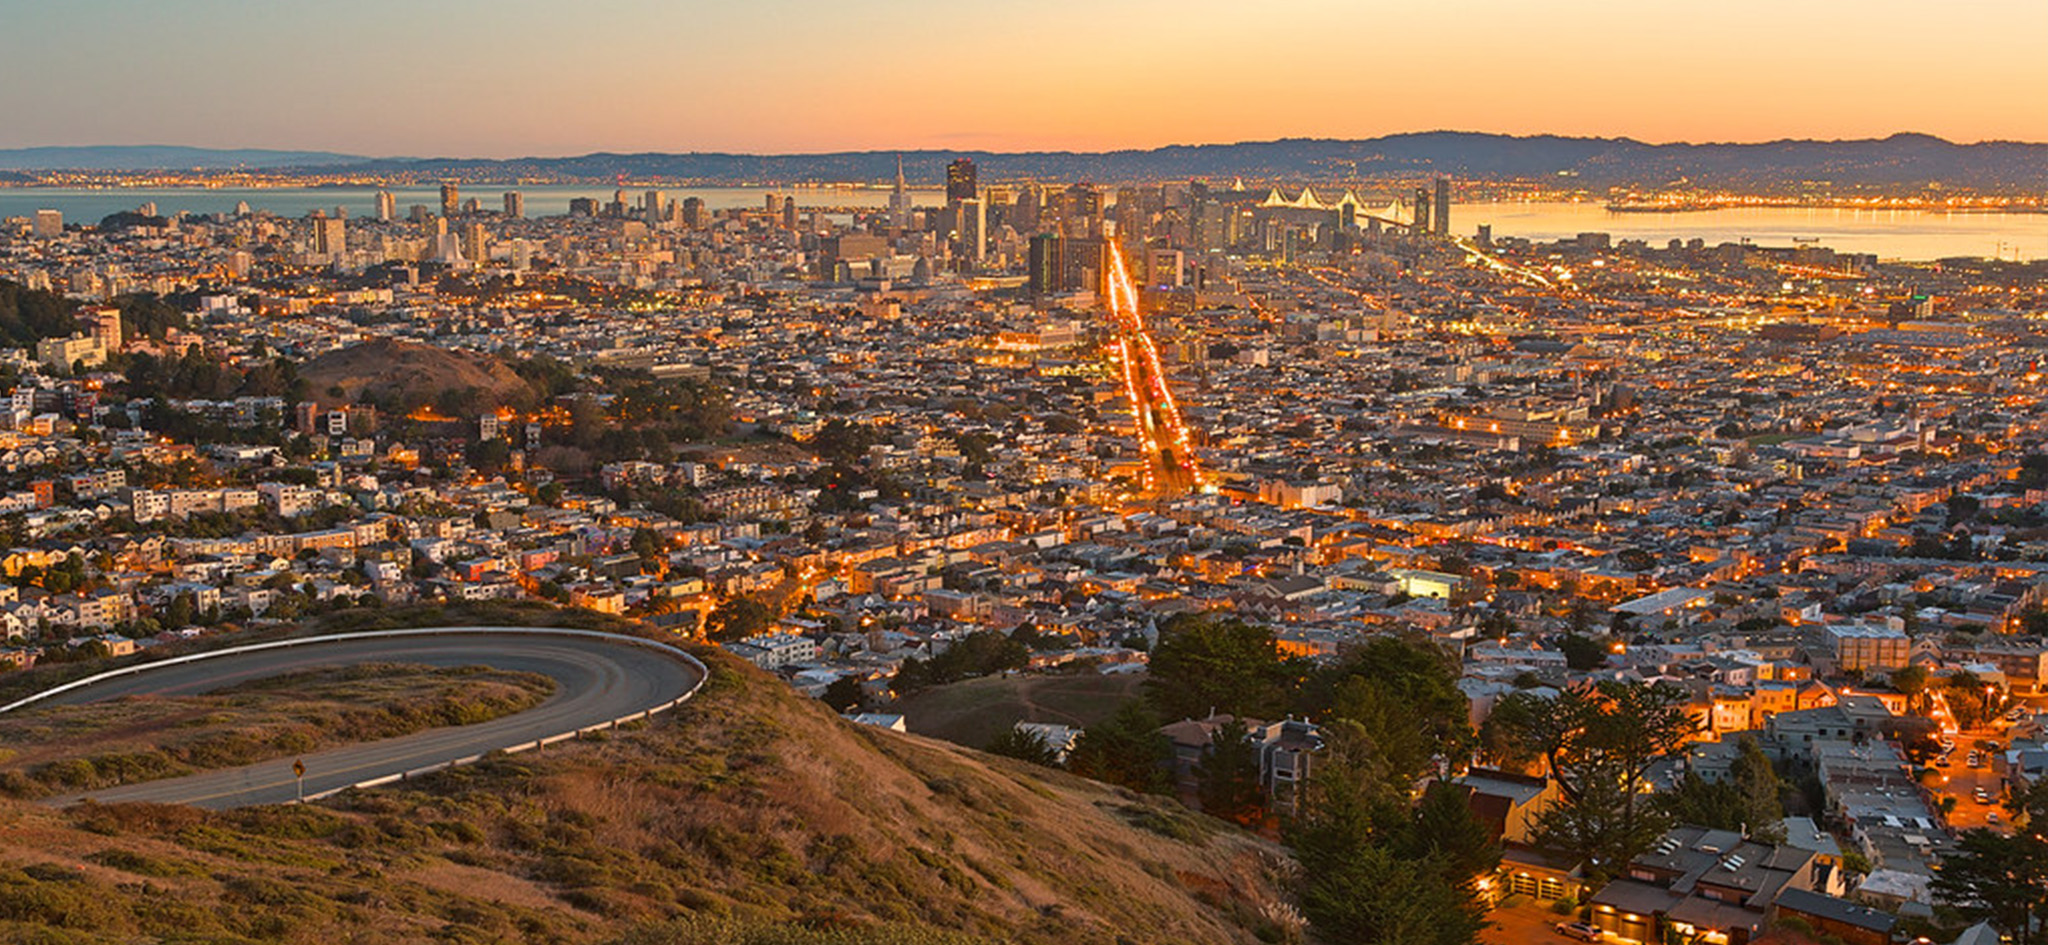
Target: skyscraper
x: 515, y: 204
x: 693, y: 212
x: 1442, y: 220
x: 387, y: 206
x: 1421, y: 211
x: 789, y: 214
x: 960, y: 180
x: 652, y: 206
x: 899, y: 200
x: 1048, y: 262
x: 475, y: 244
x: 973, y: 229
x: 1024, y: 213
x: 451, y: 199
x: 49, y: 224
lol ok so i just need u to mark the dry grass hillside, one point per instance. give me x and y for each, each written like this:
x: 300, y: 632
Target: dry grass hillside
x: 408, y: 374
x: 752, y: 816
x: 58, y: 749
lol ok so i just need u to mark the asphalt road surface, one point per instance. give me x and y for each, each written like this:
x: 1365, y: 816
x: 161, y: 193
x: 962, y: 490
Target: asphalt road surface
x: 596, y: 680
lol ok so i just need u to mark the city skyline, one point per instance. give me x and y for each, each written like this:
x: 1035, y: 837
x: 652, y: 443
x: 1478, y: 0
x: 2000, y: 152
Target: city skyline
x: 464, y: 79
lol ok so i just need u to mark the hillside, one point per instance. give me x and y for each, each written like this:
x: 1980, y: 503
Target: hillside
x: 751, y: 815
x: 403, y: 375
x: 973, y: 711
x: 1897, y: 161
x: 162, y: 157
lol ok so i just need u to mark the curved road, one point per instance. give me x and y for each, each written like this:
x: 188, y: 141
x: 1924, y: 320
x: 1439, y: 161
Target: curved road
x: 597, y: 679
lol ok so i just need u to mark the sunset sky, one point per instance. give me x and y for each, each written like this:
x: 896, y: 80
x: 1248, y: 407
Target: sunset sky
x: 548, y: 77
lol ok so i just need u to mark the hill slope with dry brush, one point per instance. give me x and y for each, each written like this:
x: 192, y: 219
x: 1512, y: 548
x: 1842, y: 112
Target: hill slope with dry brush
x: 750, y: 816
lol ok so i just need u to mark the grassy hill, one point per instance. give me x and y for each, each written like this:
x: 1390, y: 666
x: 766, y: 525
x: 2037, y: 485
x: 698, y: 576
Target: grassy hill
x: 57, y: 749
x: 973, y: 711
x: 403, y: 375
x: 752, y: 815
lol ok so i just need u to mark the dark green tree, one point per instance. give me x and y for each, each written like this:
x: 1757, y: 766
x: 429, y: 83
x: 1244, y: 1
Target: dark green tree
x: 844, y: 694
x: 1996, y: 878
x: 1599, y: 742
x: 739, y: 618
x: 1017, y: 743
x: 1401, y: 695
x: 1583, y: 652
x: 1371, y: 869
x: 1205, y: 663
x: 1227, y: 779
x: 1126, y: 749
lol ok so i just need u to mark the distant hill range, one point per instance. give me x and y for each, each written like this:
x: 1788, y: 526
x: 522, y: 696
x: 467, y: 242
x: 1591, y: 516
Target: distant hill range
x: 1900, y: 160
x: 153, y: 157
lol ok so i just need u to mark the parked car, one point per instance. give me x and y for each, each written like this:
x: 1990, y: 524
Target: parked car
x: 1583, y: 931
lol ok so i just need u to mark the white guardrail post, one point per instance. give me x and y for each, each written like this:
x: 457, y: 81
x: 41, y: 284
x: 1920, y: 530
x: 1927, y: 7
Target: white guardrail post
x: 703, y: 674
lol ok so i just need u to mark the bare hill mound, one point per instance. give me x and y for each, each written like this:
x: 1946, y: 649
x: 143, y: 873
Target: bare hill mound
x: 403, y: 375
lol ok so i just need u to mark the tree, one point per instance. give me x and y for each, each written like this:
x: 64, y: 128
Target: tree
x: 1997, y: 878
x: 1204, y: 664
x: 1400, y: 695
x: 1227, y: 779
x: 1970, y: 698
x: 1017, y: 743
x: 1500, y: 736
x: 1375, y: 871
x: 1703, y: 803
x: 648, y: 544
x: 844, y: 694
x: 1445, y: 830
x: 1127, y: 749
x: 1582, y: 652
x: 739, y: 618
x: 1761, y: 792
x: 1911, y: 680
x: 1598, y: 742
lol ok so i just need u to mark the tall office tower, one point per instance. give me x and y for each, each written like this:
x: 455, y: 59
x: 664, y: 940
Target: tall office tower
x: 960, y: 180
x: 772, y: 203
x: 1131, y: 218
x: 387, y: 206
x: 474, y: 245
x: 973, y: 229
x: 451, y: 200
x: 789, y: 214
x: 49, y: 224
x: 1048, y: 262
x: 652, y: 205
x: 693, y: 212
x: 1083, y: 202
x: 330, y: 235
x: 1025, y: 212
x: 899, y: 200
x: 515, y: 204
x: 1421, y: 211
x: 1442, y: 220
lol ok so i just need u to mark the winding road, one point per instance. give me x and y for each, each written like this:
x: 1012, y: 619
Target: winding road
x: 599, y: 679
